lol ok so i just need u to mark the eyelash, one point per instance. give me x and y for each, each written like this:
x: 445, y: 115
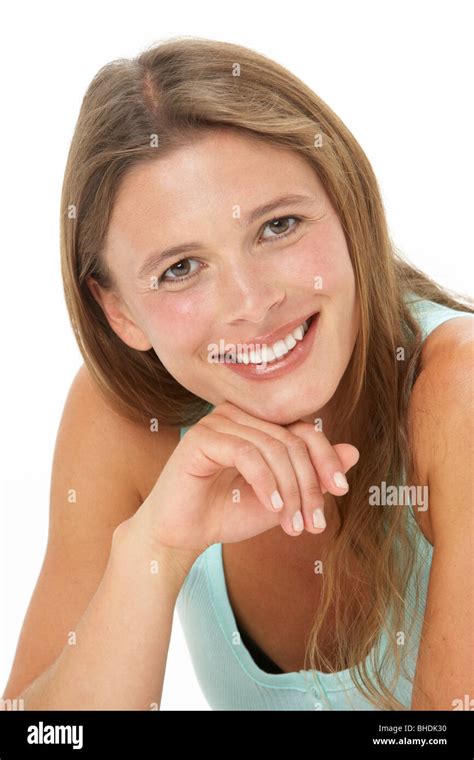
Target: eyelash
x: 277, y: 237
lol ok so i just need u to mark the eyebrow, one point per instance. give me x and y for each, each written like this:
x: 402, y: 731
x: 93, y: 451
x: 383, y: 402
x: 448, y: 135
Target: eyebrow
x: 156, y: 258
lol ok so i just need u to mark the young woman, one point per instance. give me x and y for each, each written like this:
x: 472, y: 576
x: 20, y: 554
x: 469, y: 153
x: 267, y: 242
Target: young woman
x: 229, y: 276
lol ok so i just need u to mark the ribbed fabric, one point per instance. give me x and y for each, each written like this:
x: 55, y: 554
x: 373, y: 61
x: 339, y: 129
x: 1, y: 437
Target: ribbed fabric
x: 227, y: 674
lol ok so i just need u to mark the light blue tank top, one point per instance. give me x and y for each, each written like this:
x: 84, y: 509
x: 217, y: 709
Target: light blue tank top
x: 229, y: 677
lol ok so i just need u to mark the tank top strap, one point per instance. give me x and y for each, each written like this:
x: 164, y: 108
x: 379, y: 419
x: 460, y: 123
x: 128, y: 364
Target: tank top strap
x: 431, y: 315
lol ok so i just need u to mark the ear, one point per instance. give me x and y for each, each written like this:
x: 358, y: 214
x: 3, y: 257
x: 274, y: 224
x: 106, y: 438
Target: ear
x: 119, y: 317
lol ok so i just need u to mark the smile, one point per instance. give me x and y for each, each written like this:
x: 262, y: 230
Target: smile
x: 261, y: 362
x: 260, y: 354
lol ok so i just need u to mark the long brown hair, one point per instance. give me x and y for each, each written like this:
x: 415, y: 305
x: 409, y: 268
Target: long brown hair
x: 177, y: 90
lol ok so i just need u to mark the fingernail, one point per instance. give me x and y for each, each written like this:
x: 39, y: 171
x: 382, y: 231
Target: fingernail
x: 277, y: 501
x: 340, y: 480
x: 319, y: 521
x: 298, y: 522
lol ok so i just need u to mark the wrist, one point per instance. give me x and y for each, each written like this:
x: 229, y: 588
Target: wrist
x: 132, y: 543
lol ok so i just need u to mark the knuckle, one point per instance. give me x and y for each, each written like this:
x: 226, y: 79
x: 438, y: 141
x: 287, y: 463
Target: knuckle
x: 292, y: 492
x: 286, y: 437
x: 312, y: 490
x: 245, y: 448
x: 296, y: 445
x: 275, y: 446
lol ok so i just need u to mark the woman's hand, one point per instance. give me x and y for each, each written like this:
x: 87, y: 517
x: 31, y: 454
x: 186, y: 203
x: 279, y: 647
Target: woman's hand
x: 233, y: 476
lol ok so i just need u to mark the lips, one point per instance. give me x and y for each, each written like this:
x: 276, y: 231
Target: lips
x: 290, y: 362
x: 278, y: 334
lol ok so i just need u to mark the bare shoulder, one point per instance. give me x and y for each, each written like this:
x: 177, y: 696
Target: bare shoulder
x: 440, y: 400
x: 448, y: 337
x: 141, y: 450
x: 445, y: 429
x: 446, y: 362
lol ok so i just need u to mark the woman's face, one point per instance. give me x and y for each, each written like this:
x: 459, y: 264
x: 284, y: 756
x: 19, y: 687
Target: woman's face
x: 244, y: 275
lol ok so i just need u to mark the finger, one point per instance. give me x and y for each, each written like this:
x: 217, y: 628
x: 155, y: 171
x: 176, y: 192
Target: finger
x: 325, y: 458
x: 348, y: 455
x: 211, y: 450
x: 330, y: 464
x: 328, y: 461
x: 278, y: 458
x: 312, y: 499
x: 310, y: 513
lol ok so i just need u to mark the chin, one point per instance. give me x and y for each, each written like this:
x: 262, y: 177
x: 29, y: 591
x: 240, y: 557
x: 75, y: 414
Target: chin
x: 280, y: 415
x: 305, y: 407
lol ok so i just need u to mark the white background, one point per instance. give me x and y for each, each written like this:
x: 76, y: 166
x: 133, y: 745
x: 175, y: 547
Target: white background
x: 399, y: 74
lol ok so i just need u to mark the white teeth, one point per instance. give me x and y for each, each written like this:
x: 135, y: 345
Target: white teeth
x: 290, y: 342
x: 268, y: 355
x: 254, y: 355
x: 243, y: 357
x: 298, y: 332
x: 280, y: 348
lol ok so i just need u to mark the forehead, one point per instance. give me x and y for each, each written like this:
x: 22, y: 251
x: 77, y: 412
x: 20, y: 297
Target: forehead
x: 223, y: 165
x: 212, y: 174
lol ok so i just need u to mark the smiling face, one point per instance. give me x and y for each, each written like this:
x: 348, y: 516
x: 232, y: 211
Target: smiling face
x: 246, y: 275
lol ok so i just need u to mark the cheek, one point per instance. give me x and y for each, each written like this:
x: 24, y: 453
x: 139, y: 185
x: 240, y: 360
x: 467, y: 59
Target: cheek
x: 177, y: 323
x: 322, y: 264
x: 322, y: 254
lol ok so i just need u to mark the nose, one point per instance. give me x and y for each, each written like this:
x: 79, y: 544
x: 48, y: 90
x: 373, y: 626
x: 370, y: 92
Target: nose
x: 248, y: 294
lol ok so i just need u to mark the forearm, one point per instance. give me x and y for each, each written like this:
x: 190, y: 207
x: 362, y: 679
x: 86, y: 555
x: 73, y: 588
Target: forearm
x: 121, y: 644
